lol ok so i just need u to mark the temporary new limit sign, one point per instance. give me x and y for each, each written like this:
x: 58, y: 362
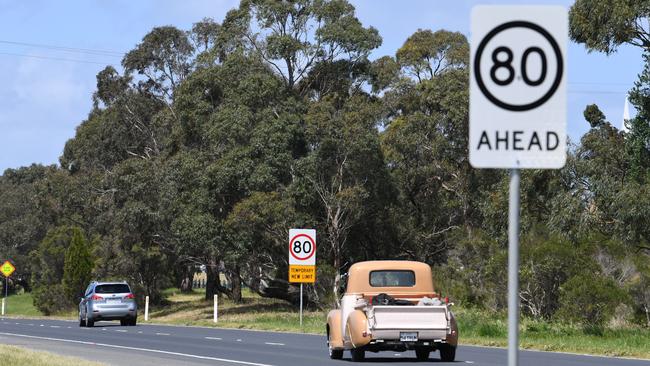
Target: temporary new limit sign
x: 518, y: 87
x: 302, y: 255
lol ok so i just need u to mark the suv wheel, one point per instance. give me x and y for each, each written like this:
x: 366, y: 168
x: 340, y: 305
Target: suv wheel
x: 89, y: 322
x: 125, y: 322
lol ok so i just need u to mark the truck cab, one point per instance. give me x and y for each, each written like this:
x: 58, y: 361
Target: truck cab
x: 391, y: 306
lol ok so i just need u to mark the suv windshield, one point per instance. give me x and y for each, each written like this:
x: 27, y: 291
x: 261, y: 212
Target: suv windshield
x: 116, y: 288
x: 392, y: 278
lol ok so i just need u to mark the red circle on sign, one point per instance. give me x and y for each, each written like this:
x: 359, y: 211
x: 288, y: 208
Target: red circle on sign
x: 313, y: 243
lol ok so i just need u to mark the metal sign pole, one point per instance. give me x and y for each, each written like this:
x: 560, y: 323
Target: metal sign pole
x: 513, y: 269
x: 301, y: 306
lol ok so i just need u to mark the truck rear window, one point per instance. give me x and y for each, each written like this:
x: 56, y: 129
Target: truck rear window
x: 117, y: 288
x: 392, y: 278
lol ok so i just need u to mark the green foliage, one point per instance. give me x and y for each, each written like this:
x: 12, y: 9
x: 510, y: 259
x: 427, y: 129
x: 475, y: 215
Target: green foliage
x: 605, y: 25
x: 78, y: 266
x: 48, y: 269
x: 589, y: 299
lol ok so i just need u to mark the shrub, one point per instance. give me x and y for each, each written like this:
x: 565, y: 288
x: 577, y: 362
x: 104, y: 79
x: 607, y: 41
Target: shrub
x: 589, y: 299
x: 78, y: 266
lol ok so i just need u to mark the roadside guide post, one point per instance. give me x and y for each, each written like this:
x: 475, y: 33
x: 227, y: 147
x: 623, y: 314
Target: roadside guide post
x: 302, y: 259
x: 517, y: 117
x: 215, y: 316
x: 7, y: 270
x: 146, y: 308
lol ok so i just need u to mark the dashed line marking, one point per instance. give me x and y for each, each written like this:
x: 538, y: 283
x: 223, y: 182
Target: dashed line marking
x: 238, y: 340
x: 121, y: 330
x: 17, y: 323
x: 213, y: 338
x: 137, y: 349
x: 55, y: 326
x: 163, y: 334
x: 139, y: 332
x: 274, y: 344
x: 42, y: 325
x: 469, y: 361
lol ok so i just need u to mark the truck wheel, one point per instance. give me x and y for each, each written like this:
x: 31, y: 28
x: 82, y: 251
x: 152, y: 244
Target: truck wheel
x: 448, y: 353
x: 335, y: 354
x: 422, y: 354
x: 358, y: 355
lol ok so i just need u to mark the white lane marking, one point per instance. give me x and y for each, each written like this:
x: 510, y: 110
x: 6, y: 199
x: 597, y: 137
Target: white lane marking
x: 121, y: 330
x: 238, y: 340
x: 55, y: 326
x: 274, y: 344
x: 104, y: 329
x: 42, y: 325
x: 69, y: 327
x: 140, y: 332
x: 17, y: 323
x: 213, y: 338
x: 469, y: 361
x: 397, y: 354
x: 138, y: 349
x: 31, y: 325
x: 165, y: 334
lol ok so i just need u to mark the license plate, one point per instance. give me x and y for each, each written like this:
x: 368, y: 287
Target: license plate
x: 408, y: 336
x: 113, y: 301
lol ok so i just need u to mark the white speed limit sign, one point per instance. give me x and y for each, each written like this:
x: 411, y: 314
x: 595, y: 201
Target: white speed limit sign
x: 518, y: 87
x: 302, y: 247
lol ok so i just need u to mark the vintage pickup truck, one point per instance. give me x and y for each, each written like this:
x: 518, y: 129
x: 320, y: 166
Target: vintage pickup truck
x: 391, y: 305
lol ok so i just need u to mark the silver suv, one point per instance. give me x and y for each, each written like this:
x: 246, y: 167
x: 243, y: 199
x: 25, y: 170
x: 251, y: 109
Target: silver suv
x: 108, y: 301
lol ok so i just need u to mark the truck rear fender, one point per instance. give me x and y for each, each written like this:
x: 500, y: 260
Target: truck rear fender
x: 334, y: 329
x: 357, y: 329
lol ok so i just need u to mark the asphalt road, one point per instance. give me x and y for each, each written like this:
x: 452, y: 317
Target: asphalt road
x: 158, y: 345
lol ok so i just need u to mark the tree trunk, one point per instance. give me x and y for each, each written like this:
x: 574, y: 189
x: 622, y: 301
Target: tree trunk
x: 212, y: 277
x: 186, y: 280
x: 235, y: 281
x: 337, y: 277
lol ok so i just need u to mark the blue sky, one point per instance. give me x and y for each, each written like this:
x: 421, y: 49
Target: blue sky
x: 42, y: 100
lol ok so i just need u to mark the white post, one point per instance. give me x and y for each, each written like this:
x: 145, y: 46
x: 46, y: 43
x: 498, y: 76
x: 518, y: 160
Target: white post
x: 301, y: 306
x: 513, y: 270
x: 5, y: 298
x: 146, y: 308
x: 216, y: 306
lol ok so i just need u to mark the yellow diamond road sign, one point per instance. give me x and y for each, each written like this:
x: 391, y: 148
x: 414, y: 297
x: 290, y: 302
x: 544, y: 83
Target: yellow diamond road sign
x: 7, y: 268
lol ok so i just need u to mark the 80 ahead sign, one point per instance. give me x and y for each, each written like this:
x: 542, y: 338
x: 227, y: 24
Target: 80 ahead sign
x: 518, y: 87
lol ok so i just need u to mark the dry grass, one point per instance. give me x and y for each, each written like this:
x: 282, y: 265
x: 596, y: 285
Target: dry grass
x: 18, y: 356
x: 254, y: 312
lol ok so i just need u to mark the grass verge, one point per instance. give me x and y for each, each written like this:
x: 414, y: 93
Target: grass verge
x: 18, y: 356
x: 22, y: 305
x: 479, y: 327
